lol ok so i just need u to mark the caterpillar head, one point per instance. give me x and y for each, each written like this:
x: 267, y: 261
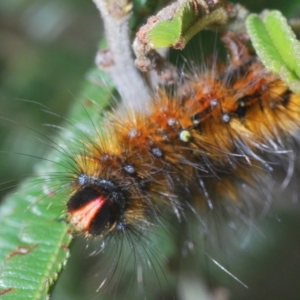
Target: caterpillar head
x: 97, y: 206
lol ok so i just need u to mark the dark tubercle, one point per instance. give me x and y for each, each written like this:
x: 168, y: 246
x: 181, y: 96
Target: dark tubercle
x: 286, y: 97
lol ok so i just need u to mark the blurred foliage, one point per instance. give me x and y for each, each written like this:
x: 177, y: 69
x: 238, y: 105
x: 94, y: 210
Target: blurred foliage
x: 46, y: 49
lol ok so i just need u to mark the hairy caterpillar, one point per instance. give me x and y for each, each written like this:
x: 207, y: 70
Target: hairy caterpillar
x: 84, y: 162
x: 203, y: 149
x: 218, y: 124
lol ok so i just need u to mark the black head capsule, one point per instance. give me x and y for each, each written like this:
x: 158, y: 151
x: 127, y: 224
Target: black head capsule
x: 97, y: 206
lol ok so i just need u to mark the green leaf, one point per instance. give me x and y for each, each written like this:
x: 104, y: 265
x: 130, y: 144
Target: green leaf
x: 277, y: 46
x: 34, y: 238
x: 186, y: 22
x: 284, y: 39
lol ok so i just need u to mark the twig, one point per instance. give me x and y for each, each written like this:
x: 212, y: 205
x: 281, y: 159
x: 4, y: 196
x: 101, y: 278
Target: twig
x: 118, y: 60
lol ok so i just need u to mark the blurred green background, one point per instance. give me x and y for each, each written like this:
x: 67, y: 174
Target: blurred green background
x: 46, y: 48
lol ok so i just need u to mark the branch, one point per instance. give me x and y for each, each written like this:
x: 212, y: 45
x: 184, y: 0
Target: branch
x: 118, y: 60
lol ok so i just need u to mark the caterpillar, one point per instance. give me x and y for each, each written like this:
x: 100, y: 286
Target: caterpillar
x: 195, y: 143
x: 202, y: 150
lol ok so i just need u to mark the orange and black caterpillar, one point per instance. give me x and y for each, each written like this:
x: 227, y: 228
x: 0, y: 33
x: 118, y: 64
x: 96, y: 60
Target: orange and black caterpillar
x: 197, y: 148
